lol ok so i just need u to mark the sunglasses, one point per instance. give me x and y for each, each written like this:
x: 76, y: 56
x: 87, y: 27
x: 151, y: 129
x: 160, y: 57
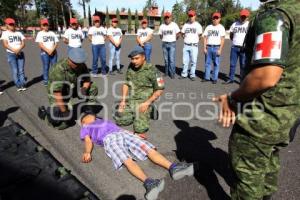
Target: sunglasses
x: 74, y: 24
x: 215, y: 18
x: 45, y: 24
x: 114, y: 21
x: 96, y: 21
x: 11, y: 24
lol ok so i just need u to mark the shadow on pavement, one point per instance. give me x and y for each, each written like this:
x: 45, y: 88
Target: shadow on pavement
x: 35, y: 80
x: 8, y: 85
x: 193, y: 146
x: 4, y: 114
x: 126, y: 197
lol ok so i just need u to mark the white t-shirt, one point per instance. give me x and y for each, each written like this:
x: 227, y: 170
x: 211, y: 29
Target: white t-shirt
x: 214, y: 34
x: 75, y: 37
x: 168, y: 32
x: 48, y: 38
x: 116, y: 33
x: 239, y: 31
x: 191, y: 32
x: 98, y: 34
x: 14, y: 39
x: 143, y: 33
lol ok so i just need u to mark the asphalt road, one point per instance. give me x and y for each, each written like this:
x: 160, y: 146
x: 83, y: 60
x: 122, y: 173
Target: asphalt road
x: 184, y: 132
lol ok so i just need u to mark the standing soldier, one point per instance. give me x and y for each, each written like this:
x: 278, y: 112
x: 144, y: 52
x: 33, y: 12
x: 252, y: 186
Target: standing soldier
x: 97, y: 35
x: 48, y: 42
x: 271, y: 87
x: 144, y: 37
x: 73, y: 36
x: 115, y: 37
x: 143, y: 85
x: 169, y: 33
x: 68, y: 78
x: 238, y: 32
x: 214, y: 36
x: 191, y: 32
x: 13, y: 42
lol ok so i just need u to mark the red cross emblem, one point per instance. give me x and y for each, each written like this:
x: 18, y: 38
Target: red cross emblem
x: 160, y: 81
x: 268, y: 45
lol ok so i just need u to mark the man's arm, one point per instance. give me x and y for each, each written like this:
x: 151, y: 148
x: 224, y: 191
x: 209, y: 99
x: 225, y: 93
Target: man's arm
x: 138, y: 40
x: 231, y: 35
x: 144, y: 106
x: 86, y: 157
x: 111, y: 39
x: 6, y: 46
x: 42, y: 46
x: 66, y: 41
x: 149, y: 37
x: 59, y: 101
x: 122, y: 104
x: 205, y: 44
x: 221, y: 45
x: 90, y: 37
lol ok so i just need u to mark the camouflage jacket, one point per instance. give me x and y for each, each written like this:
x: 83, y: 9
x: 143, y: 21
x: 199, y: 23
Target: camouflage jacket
x: 273, y: 38
x: 143, y: 81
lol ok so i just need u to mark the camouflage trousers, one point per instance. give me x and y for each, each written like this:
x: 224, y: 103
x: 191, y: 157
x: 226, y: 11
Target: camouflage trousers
x: 256, y: 166
x: 131, y: 115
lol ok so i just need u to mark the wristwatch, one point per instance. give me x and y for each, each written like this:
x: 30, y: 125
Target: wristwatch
x: 231, y: 101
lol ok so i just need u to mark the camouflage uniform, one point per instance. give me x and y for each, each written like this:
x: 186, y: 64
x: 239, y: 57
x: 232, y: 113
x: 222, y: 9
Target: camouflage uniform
x: 61, y: 73
x: 142, y: 83
x: 258, y: 135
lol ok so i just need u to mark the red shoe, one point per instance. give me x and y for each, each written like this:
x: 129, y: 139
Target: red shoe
x: 142, y: 135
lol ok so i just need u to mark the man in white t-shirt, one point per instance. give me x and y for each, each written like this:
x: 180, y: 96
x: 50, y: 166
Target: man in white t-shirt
x: 238, y: 32
x: 13, y: 42
x: 191, y: 32
x: 48, y: 42
x: 97, y: 35
x: 169, y: 33
x: 73, y: 36
x: 115, y: 37
x: 214, y: 36
x: 144, y: 37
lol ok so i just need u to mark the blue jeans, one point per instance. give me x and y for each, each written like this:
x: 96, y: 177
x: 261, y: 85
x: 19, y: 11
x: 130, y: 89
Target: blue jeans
x: 190, y: 54
x: 47, y: 61
x: 212, y: 55
x: 169, y: 51
x: 99, y: 52
x: 114, y: 53
x: 16, y: 63
x: 69, y: 48
x: 236, y: 54
x: 148, y: 50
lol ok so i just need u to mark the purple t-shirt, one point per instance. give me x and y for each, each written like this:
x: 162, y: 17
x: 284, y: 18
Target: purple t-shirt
x: 98, y: 130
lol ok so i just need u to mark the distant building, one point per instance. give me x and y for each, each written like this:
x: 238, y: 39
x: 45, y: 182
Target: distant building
x: 153, y: 18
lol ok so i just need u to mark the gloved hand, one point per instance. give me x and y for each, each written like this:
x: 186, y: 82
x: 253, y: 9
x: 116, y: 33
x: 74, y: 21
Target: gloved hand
x: 84, y: 91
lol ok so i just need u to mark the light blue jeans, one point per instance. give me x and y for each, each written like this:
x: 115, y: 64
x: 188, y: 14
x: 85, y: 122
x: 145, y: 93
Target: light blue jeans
x: 114, y: 53
x: 47, y: 61
x: 16, y: 63
x: 212, y: 56
x: 190, y: 54
x: 169, y: 51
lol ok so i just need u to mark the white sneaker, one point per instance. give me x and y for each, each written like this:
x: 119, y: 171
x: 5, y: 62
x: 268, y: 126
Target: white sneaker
x: 1, y: 92
x: 23, y: 88
x: 19, y: 89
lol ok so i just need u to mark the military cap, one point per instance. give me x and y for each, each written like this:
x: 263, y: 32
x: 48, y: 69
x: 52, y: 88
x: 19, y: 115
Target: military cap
x: 137, y: 50
x: 77, y: 55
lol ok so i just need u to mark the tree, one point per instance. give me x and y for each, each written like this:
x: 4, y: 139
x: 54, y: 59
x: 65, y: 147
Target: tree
x: 83, y: 4
x: 118, y: 15
x: 162, y: 16
x: 145, y: 13
x: 129, y: 21
x: 90, y: 16
x: 107, y: 17
x: 136, y: 21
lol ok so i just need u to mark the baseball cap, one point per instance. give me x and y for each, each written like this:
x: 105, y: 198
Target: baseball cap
x: 9, y: 21
x: 44, y: 21
x: 144, y: 21
x: 96, y: 18
x: 73, y: 21
x: 167, y: 14
x: 216, y: 14
x: 191, y: 13
x: 137, y: 50
x: 245, y: 12
x: 77, y: 55
x: 114, y: 20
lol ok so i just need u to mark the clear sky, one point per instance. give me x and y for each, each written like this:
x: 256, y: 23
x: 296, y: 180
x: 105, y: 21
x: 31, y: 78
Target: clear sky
x: 100, y: 5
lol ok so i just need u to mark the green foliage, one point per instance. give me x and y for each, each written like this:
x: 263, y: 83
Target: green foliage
x: 129, y: 21
x: 136, y: 21
x: 107, y: 22
x: 90, y: 16
x: 162, y: 16
x: 118, y: 15
x: 145, y: 13
x: 179, y: 16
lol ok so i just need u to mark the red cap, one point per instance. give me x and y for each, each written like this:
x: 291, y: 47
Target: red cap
x: 9, y: 21
x: 115, y: 20
x: 73, y: 21
x: 44, y: 21
x: 96, y: 18
x: 167, y: 14
x: 191, y: 13
x: 245, y: 12
x: 216, y: 14
x: 144, y: 21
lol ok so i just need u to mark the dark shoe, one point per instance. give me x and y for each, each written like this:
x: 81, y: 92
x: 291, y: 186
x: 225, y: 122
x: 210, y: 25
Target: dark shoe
x: 153, y: 188
x: 181, y: 77
x: 193, y: 78
x: 181, y: 170
x: 269, y: 197
x: 112, y: 73
x: 214, y: 82
x: 120, y: 71
x: 204, y: 80
x: 228, y: 82
x: 42, y: 112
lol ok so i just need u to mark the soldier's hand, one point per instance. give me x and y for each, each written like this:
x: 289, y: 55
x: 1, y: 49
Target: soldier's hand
x: 86, y: 157
x: 122, y: 106
x: 143, y: 107
x: 226, y: 115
